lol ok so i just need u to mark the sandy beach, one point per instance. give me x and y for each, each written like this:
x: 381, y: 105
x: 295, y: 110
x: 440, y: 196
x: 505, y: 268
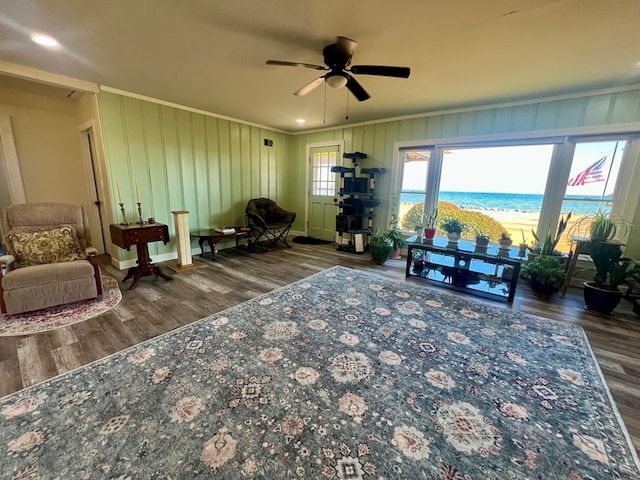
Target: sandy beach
x: 514, y: 223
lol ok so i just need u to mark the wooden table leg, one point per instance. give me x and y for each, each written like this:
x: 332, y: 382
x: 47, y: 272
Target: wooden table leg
x: 212, y: 246
x: 144, y: 267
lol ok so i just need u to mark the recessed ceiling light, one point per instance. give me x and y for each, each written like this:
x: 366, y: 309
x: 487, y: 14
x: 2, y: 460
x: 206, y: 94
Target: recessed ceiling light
x: 301, y: 121
x: 45, y: 40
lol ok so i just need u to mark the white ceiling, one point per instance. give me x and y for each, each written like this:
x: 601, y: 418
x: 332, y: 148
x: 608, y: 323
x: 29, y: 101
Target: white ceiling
x: 211, y: 55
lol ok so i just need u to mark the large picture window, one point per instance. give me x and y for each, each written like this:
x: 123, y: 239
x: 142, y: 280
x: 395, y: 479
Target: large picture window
x: 504, y: 188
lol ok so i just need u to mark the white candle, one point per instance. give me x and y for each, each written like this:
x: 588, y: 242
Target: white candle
x: 137, y: 193
x: 119, y: 193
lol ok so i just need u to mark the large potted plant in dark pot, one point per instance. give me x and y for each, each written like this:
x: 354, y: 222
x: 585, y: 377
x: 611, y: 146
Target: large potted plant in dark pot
x: 545, y: 275
x: 380, y: 246
x: 612, y: 270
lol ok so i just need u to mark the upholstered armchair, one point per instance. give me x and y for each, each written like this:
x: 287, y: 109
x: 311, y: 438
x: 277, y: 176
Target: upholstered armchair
x: 268, y: 222
x: 48, y: 259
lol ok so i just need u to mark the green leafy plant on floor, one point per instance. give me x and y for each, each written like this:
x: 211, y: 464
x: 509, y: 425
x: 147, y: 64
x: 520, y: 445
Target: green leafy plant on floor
x: 546, y: 269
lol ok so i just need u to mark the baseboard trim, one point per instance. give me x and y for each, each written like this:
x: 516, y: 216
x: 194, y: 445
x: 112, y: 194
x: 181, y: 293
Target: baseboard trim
x: 165, y: 257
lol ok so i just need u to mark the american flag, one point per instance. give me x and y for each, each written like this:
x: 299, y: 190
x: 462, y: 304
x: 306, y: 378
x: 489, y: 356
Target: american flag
x: 591, y: 174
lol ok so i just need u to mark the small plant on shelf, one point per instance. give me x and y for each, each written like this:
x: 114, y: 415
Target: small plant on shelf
x: 419, y: 229
x: 600, y: 226
x: 505, y: 240
x: 482, y: 239
x: 452, y: 225
x: 524, y: 246
x: 430, y: 224
x: 430, y: 221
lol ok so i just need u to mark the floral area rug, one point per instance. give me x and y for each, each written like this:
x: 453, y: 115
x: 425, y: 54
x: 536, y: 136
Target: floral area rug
x: 343, y: 375
x: 61, y: 315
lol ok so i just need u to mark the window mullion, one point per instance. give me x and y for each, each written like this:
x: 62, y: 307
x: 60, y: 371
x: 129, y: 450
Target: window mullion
x: 556, y: 186
x: 434, y: 171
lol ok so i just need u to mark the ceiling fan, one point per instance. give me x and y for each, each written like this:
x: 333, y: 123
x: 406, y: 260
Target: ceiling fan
x: 337, y: 57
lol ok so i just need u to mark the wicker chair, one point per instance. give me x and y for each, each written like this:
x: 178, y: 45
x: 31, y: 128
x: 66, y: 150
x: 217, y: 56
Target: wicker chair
x: 268, y: 222
x: 48, y: 260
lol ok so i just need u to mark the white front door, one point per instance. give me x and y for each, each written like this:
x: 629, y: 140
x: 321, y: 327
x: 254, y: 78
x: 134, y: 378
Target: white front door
x: 323, y: 191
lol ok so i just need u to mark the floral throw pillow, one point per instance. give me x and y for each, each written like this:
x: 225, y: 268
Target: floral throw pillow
x: 38, y: 246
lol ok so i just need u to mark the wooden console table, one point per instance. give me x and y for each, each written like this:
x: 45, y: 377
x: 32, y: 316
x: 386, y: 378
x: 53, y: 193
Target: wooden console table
x: 125, y: 236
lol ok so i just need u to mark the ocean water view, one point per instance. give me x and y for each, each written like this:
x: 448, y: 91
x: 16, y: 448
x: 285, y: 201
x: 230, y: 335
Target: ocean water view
x: 517, y: 202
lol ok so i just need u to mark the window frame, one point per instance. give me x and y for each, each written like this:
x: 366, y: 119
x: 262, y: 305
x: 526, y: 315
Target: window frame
x: 558, y: 175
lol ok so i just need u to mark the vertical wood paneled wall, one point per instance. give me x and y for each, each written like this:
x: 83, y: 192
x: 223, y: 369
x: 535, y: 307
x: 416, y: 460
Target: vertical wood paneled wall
x: 188, y: 161
x: 552, y: 117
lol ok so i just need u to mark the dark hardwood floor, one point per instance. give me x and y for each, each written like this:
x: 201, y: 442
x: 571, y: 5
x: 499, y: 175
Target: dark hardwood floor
x: 158, y: 306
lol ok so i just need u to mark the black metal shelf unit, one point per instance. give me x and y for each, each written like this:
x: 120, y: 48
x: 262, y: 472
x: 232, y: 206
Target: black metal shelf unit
x: 484, y: 274
x: 356, y: 201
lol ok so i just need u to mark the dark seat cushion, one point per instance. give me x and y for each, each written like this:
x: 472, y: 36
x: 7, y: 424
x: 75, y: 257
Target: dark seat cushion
x: 269, y: 213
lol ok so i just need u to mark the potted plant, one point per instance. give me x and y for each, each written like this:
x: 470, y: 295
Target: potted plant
x: 380, y: 246
x: 548, y: 244
x: 612, y: 271
x: 523, y: 247
x: 419, y: 229
x: 430, y: 224
x: 482, y: 239
x: 505, y: 240
x: 394, y: 232
x: 545, y: 273
x: 602, y: 227
x: 453, y: 227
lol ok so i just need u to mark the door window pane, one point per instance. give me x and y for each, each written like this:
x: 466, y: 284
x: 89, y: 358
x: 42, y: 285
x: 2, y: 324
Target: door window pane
x: 323, y: 179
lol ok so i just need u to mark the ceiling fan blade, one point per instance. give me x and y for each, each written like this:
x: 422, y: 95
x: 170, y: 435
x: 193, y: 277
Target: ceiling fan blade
x: 401, y: 72
x: 295, y: 64
x: 310, y: 86
x: 357, y: 90
x: 346, y: 45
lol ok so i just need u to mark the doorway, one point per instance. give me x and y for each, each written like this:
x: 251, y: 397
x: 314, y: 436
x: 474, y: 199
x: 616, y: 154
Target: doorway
x: 11, y: 186
x: 322, y: 191
x: 91, y: 168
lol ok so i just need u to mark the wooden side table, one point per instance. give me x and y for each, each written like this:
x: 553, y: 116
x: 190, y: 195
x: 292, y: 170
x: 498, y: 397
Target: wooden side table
x: 579, y: 246
x: 212, y: 236
x: 125, y: 236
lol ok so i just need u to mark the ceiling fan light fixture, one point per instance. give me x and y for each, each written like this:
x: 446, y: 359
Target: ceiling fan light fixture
x: 336, y: 80
x: 44, y: 40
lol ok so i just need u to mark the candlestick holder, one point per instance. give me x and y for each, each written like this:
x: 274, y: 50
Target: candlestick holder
x: 124, y: 217
x: 141, y: 222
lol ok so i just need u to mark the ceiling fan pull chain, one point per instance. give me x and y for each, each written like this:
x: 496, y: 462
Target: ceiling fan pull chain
x: 324, y: 105
x: 347, y: 115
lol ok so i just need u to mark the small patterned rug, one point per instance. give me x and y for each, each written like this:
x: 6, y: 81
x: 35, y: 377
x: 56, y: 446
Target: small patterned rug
x: 343, y: 375
x: 61, y: 315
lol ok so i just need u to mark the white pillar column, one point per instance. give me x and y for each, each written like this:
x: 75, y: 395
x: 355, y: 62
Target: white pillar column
x: 183, y: 238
